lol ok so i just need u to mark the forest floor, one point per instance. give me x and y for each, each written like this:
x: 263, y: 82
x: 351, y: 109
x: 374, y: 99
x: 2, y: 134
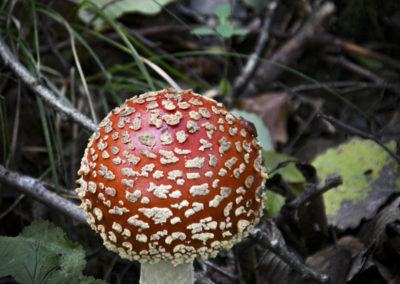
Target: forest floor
x: 323, y: 77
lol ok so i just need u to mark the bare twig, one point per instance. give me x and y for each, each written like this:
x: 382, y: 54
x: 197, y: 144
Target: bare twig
x: 289, y: 258
x: 290, y: 51
x: 11, y: 208
x: 221, y: 271
x: 40, y: 89
x: 351, y: 66
x: 356, y: 49
x: 360, y: 133
x: 36, y: 189
x: 252, y: 63
x: 16, y: 126
x: 312, y: 192
x: 300, y: 132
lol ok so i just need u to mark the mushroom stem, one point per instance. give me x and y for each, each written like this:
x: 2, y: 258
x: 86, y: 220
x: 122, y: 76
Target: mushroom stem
x: 164, y: 272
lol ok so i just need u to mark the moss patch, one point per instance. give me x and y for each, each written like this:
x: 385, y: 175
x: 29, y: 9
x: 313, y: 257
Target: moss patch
x: 367, y: 171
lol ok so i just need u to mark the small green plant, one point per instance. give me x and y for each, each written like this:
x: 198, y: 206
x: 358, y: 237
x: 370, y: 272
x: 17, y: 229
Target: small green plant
x: 224, y: 31
x: 42, y: 254
x: 225, y: 28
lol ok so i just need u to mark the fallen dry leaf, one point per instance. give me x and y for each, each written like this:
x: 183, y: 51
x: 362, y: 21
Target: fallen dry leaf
x: 273, y: 109
x: 336, y: 260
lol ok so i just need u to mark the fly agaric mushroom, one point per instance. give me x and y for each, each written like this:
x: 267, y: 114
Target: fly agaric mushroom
x: 170, y: 176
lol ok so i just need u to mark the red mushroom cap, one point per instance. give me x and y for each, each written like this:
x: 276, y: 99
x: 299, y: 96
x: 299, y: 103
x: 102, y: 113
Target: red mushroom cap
x: 171, y: 176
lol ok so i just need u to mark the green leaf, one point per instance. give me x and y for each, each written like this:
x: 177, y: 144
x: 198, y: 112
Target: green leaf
x: 41, y: 254
x: 369, y: 63
x: 223, y: 12
x: 240, y: 32
x: 203, y: 32
x: 289, y: 173
x: 114, y: 9
x: 226, y: 30
x: 273, y: 202
x: 263, y: 134
x: 370, y: 176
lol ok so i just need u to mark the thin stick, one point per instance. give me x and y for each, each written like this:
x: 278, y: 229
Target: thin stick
x: 36, y: 189
x: 221, y: 271
x: 14, y: 139
x: 34, y: 83
x: 289, y: 258
x: 349, y: 65
x: 290, y: 51
x: 360, y: 133
x: 11, y: 208
x: 354, y: 48
x: 252, y: 63
x: 314, y: 191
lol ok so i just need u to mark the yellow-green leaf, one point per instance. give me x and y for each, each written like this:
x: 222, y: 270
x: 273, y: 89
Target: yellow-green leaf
x: 370, y: 176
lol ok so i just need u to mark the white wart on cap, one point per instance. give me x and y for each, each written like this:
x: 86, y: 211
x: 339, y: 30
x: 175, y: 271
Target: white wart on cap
x: 171, y: 176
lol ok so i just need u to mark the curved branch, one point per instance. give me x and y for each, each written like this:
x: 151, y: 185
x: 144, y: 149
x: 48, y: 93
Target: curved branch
x: 47, y: 95
x: 252, y: 63
x: 36, y: 189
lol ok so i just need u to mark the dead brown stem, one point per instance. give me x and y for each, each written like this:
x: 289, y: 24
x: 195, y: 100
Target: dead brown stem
x: 290, y: 51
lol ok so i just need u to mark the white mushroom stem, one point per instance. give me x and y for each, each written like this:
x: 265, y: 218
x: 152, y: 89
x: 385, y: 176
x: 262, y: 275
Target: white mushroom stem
x: 164, y: 272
